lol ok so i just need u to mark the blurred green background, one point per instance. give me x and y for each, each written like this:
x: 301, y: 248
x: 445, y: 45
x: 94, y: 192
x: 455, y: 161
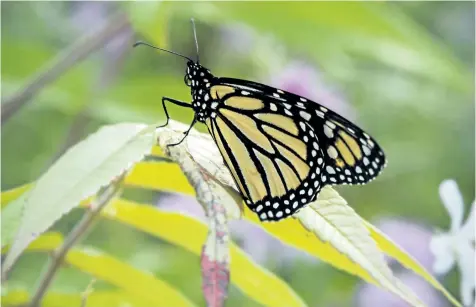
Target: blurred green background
x: 403, y: 71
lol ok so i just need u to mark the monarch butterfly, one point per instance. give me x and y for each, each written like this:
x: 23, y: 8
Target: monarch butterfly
x: 280, y: 148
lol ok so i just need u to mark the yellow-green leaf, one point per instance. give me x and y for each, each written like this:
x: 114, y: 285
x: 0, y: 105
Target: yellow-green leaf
x: 105, y: 267
x: 255, y: 281
x: 124, y: 276
x: 167, y: 176
x: 11, y: 195
x: 189, y: 233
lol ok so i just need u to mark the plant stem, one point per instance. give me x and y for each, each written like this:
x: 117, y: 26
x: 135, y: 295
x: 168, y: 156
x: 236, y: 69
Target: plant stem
x: 59, y: 254
x: 66, y: 59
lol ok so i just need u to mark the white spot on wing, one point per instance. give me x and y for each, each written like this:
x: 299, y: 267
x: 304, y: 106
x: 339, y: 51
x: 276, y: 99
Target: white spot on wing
x: 320, y: 114
x: 305, y: 115
x: 330, y: 124
x: 332, y: 152
x: 366, y: 150
x: 328, y: 132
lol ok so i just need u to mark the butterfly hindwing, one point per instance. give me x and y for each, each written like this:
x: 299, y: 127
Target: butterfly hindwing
x: 351, y: 155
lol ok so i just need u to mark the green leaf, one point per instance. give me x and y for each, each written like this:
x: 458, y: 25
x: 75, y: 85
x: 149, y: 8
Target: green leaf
x: 150, y: 18
x: 11, y: 195
x: 11, y: 217
x: 77, y: 175
x: 11, y: 214
x: 328, y: 30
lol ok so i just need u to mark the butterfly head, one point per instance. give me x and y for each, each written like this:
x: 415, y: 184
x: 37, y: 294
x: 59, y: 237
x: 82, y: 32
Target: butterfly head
x: 197, y: 76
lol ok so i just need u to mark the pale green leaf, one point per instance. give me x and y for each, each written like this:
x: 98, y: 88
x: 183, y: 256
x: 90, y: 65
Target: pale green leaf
x: 333, y: 221
x: 77, y: 175
x: 11, y: 217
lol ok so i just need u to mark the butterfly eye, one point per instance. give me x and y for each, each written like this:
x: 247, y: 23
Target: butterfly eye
x: 187, y: 81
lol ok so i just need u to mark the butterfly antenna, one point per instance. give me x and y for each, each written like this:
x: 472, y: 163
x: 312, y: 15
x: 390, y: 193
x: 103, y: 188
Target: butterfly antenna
x: 149, y: 45
x: 195, y: 36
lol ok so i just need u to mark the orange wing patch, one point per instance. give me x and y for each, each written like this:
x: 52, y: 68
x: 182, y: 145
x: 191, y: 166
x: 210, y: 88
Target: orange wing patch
x: 219, y: 91
x: 249, y: 128
x: 280, y: 121
x: 244, y: 103
x: 251, y: 175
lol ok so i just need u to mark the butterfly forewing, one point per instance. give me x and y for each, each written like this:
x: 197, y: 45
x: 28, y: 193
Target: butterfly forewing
x: 274, y: 161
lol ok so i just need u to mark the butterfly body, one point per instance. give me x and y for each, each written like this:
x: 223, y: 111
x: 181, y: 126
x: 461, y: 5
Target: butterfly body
x: 280, y: 148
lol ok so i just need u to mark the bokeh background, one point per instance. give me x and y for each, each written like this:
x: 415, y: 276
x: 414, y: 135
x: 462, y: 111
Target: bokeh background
x: 404, y: 71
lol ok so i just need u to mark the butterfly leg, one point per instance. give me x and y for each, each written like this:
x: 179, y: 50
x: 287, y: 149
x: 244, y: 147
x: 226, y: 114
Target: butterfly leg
x: 177, y: 102
x: 185, y: 133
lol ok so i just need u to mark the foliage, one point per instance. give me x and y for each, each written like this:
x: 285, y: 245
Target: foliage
x: 399, y: 65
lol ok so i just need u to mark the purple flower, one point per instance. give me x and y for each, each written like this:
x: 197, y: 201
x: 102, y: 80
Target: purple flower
x: 369, y: 295
x: 412, y: 237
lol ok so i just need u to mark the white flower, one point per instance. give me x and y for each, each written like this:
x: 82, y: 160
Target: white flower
x: 456, y: 245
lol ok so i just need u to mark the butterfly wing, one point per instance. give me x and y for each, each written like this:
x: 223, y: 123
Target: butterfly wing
x: 351, y: 156
x: 273, y: 161
x: 281, y: 148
